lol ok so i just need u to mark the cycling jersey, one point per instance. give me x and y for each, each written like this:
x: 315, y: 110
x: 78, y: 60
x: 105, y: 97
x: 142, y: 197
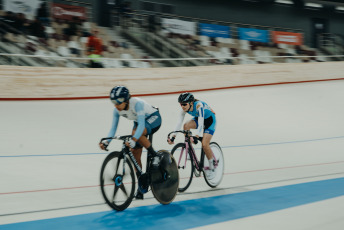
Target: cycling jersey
x: 206, y: 119
x: 143, y: 114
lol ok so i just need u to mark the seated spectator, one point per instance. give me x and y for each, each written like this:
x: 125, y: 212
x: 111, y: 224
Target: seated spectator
x: 43, y: 14
x: 95, y: 61
x: 94, y: 50
x: 94, y: 43
x: 85, y: 28
x: 74, y: 27
x: 37, y: 29
x: 213, y: 41
x: 21, y: 23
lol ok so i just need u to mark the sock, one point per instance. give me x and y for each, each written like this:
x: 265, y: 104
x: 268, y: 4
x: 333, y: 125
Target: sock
x: 151, y: 150
x: 211, y: 164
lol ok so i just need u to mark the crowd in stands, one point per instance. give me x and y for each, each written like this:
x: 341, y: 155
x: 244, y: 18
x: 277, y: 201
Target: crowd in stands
x: 235, y: 51
x: 80, y: 38
x: 69, y: 38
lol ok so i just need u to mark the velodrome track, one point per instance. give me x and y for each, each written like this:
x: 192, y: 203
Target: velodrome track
x: 283, y: 148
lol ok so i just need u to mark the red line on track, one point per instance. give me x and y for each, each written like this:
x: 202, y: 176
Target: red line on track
x: 166, y: 93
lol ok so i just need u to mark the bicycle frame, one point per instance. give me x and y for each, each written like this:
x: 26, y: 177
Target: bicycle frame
x: 126, y: 152
x: 199, y: 165
x: 190, y: 149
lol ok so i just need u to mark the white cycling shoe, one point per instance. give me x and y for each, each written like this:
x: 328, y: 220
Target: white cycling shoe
x: 210, y: 174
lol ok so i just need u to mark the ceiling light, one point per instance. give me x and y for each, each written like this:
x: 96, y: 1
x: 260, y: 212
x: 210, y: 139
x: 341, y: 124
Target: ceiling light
x: 340, y: 8
x: 313, y: 5
x: 289, y: 2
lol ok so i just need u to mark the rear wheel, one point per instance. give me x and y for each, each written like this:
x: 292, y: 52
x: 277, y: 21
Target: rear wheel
x: 117, y: 181
x: 219, y: 166
x: 165, y: 179
x: 185, y: 166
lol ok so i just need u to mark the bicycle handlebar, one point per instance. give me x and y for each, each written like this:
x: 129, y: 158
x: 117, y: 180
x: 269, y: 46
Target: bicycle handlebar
x: 122, y: 138
x: 188, y: 134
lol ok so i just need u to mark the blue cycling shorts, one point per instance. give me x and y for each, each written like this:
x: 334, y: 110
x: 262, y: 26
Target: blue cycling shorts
x: 209, y: 124
x: 152, y: 123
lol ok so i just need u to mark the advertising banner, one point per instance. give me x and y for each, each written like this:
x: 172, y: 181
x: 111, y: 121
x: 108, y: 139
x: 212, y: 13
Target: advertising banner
x: 287, y: 38
x: 251, y: 34
x: 67, y: 12
x: 178, y: 26
x: 27, y: 7
x: 215, y: 31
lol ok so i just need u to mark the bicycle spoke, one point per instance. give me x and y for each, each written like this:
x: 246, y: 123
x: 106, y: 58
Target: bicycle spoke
x: 123, y: 189
x: 117, y: 165
x: 114, y: 193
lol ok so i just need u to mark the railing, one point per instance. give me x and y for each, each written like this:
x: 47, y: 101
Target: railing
x: 331, y: 43
x: 141, y: 20
x: 11, y: 60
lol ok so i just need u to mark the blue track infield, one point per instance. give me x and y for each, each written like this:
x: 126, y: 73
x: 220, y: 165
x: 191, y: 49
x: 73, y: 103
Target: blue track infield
x: 198, y: 212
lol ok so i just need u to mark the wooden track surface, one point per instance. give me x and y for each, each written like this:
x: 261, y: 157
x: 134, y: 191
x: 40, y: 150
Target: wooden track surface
x: 42, y: 82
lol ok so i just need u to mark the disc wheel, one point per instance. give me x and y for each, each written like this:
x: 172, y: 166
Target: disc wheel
x: 165, y: 179
x: 185, y: 166
x: 219, y: 169
x: 117, y: 181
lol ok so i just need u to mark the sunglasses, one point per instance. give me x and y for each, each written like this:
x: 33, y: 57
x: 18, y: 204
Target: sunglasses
x: 184, y: 104
x: 118, y: 101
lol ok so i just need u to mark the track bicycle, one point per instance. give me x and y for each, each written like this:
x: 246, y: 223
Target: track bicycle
x: 189, y: 165
x: 117, y: 176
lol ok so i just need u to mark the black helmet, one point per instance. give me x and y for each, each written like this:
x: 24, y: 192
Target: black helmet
x: 119, y: 94
x: 186, y: 98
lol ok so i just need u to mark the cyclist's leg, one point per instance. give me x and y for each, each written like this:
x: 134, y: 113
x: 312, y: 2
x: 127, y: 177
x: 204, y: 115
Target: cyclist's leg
x: 190, y: 124
x: 209, y: 130
x: 209, y: 172
x: 137, y: 150
x: 205, y: 145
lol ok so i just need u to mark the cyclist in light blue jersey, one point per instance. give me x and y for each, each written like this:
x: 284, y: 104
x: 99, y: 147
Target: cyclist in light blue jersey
x: 204, y: 121
x: 147, y: 120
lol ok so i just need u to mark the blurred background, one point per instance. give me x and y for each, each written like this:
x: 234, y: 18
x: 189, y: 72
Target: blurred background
x: 169, y: 33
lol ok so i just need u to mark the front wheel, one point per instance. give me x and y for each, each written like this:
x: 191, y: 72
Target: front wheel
x: 117, y: 181
x: 185, y: 166
x: 219, y: 166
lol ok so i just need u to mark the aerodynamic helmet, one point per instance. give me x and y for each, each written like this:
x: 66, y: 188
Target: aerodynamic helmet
x: 119, y: 94
x: 186, y: 98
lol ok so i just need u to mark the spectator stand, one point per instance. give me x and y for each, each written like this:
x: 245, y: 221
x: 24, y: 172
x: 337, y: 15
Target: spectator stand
x: 223, y: 50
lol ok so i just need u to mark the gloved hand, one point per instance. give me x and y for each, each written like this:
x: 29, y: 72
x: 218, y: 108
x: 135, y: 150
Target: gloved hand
x: 131, y: 143
x: 171, y: 141
x: 104, y: 144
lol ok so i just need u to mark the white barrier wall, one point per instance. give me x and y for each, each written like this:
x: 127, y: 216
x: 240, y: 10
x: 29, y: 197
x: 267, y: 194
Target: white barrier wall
x: 39, y: 82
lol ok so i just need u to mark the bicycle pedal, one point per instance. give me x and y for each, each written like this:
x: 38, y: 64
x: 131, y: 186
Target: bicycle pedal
x: 139, y: 195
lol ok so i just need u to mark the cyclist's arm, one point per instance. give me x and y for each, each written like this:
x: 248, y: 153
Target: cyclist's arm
x: 181, y: 119
x: 115, y: 120
x: 139, y: 108
x: 200, y: 110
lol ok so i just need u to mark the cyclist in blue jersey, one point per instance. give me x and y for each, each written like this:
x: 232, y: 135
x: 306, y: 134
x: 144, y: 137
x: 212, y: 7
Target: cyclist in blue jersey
x: 204, y: 121
x: 147, y: 120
